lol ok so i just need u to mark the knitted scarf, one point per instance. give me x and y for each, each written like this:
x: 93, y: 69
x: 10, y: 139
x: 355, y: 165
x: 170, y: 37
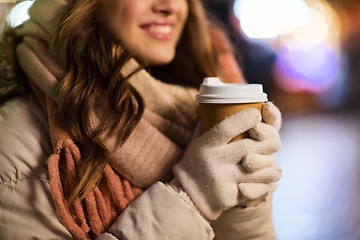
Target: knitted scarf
x: 149, y: 153
x: 147, y: 156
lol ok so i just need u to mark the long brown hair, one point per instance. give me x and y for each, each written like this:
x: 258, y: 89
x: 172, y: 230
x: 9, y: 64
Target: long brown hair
x: 93, y: 62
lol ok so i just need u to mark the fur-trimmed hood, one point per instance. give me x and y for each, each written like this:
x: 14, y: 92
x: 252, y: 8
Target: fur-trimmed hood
x: 12, y: 78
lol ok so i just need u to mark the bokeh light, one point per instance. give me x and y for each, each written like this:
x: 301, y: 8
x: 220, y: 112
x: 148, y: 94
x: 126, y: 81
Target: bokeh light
x: 313, y: 69
x: 323, y: 27
x: 269, y: 18
x: 19, y: 13
x: 304, y: 36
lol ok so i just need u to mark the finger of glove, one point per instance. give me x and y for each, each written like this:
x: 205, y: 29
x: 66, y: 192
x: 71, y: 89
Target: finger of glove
x: 271, y: 115
x: 255, y: 161
x: 231, y: 127
x: 252, y: 191
x: 263, y: 131
x: 236, y: 151
x: 265, y: 175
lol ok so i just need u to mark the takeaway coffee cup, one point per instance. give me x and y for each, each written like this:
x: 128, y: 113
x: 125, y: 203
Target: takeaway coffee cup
x: 218, y: 100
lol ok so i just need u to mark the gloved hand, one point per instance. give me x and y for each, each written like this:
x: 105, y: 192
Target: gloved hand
x: 213, y: 171
x: 254, y: 193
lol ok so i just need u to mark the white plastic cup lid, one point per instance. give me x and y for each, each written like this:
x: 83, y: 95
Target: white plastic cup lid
x: 213, y: 90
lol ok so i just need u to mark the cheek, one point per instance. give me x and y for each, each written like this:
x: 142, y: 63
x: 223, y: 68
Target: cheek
x: 118, y: 18
x: 185, y: 11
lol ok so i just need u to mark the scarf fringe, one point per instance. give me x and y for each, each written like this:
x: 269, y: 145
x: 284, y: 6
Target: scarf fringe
x: 111, y: 196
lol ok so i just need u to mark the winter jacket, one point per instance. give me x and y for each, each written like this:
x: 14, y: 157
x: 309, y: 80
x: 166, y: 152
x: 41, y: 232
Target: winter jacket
x: 27, y: 210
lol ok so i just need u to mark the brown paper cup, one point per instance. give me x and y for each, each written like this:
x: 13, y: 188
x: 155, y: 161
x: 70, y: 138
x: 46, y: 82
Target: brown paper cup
x: 218, y: 100
x: 211, y: 114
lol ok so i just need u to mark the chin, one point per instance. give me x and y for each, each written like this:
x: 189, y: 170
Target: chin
x: 159, y: 63
x: 159, y: 60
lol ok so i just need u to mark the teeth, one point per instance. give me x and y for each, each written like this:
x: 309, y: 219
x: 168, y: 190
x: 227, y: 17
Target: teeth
x: 160, y: 29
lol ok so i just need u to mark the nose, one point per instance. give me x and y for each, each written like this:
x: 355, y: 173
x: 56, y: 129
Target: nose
x: 167, y: 7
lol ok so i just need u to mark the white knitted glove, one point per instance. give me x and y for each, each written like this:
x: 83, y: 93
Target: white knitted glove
x: 254, y: 193
x: 210, y: 171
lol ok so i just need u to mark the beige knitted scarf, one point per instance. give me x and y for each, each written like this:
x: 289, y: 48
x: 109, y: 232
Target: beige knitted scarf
x: 147, y: 156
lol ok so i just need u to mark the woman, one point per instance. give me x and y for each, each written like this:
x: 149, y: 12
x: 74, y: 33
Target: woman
x: 126, y: 160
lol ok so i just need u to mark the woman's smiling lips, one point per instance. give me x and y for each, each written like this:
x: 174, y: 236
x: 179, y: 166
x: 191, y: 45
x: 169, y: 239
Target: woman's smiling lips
x: 159, y: 30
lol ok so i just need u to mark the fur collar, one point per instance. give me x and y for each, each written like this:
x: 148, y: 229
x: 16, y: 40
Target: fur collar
x: 12, y: 78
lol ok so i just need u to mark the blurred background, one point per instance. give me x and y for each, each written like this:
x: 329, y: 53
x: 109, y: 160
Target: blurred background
x: 305, y: 53
x: 307, y: 56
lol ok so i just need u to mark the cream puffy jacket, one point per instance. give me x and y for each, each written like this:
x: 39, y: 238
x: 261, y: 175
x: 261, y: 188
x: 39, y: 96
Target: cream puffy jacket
x: 27, y: 210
